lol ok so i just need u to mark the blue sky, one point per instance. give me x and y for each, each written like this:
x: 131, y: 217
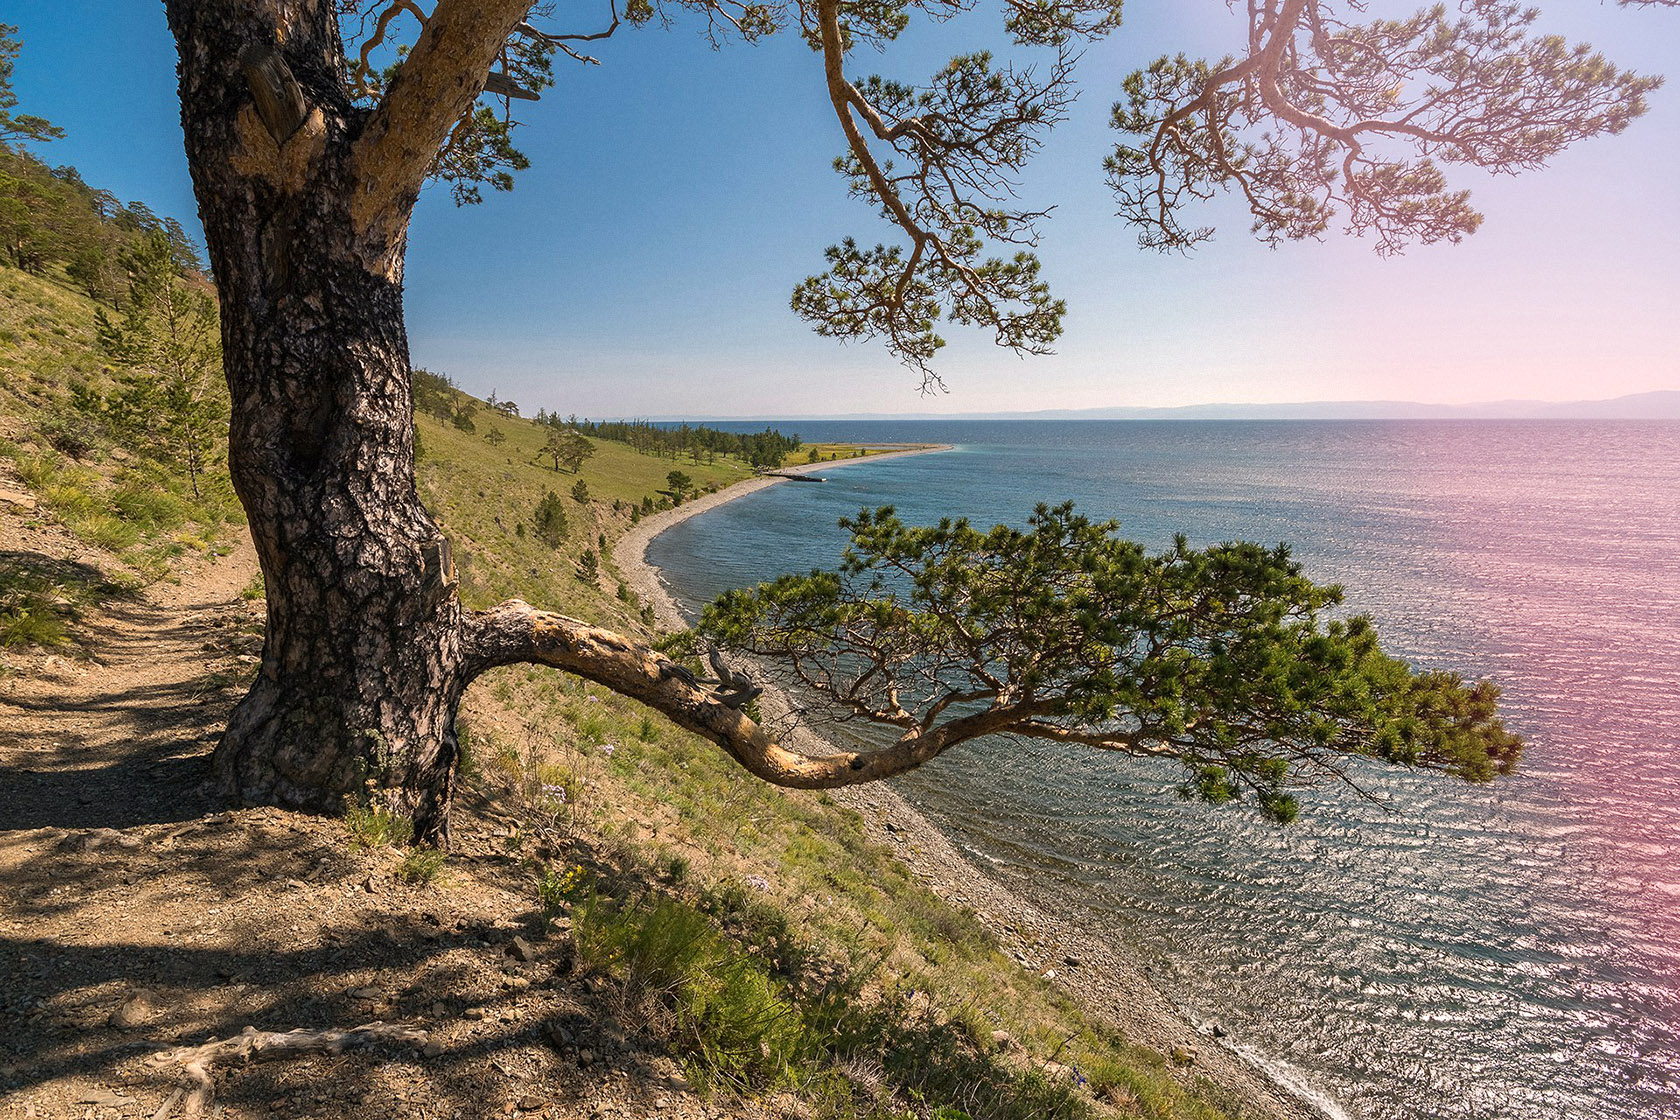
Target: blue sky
x: 678, y: 193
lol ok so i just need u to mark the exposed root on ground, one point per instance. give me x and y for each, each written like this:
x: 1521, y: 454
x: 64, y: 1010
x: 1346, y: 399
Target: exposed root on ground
x: 199, y: 1061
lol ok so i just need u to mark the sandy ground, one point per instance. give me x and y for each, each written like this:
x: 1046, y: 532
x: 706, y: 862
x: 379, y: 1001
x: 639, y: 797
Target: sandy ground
x: 1100, y: 973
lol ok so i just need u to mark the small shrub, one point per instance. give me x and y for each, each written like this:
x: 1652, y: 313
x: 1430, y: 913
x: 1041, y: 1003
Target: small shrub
x: 36, y: 470
x: 506, y: 762
x: 420, y: 865
x: 711, y: 998
x: 31, y: 620
x: 556, y: 889
x: 375, y: 826
x: 74, y: 433
x: 255, y: 589
x: 550, y: 521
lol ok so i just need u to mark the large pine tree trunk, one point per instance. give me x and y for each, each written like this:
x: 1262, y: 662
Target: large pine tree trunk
x: 305, y: 200
x: 362, y: 668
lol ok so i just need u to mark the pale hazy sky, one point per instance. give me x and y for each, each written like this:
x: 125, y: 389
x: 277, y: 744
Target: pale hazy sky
x: 643, y: 265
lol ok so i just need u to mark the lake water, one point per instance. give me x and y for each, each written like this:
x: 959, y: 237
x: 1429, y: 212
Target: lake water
x: 1506, y: 950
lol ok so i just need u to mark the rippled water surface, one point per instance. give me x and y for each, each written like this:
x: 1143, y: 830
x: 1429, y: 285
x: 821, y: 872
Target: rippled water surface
x: 1510, y: 950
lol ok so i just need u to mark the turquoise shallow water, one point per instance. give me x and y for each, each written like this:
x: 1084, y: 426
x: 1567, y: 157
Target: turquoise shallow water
x: 1499, y: 951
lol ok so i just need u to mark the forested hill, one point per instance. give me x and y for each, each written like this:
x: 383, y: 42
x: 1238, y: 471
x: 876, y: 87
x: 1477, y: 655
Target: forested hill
x: 51, y: 218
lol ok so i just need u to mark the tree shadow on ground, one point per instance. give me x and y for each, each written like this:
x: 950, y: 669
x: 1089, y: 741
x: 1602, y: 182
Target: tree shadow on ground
x: 267, y: 920
x: 23, y: 569
x: 137, y: 791
x: 118, y: 734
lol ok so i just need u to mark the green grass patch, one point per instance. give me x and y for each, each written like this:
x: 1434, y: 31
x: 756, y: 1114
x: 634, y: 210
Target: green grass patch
x: 421, y: 865
x: 374, y: 826
x: 41, y: 599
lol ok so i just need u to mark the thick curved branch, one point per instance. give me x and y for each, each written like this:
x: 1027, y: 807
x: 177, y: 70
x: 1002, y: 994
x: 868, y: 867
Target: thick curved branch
x: 517, y: 633
x: 434, y: 88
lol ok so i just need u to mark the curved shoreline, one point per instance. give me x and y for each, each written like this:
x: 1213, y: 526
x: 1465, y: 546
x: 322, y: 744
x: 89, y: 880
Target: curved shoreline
x: 1084, y: 961
x: 630, y: 551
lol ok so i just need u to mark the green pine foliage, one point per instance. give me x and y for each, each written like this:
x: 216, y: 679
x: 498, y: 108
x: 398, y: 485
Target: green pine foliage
x: 1226, y: 659
x: 549, y: 523
x: 171, y: 400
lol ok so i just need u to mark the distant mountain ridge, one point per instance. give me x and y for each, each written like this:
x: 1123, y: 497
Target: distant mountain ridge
x: 1661, y: 404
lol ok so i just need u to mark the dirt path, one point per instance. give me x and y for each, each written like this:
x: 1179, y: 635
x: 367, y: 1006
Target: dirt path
x: 117, y: 737
x: 140, y: 918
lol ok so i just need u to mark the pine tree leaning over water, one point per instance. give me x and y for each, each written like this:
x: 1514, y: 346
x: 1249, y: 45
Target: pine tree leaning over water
x: 307, y: 159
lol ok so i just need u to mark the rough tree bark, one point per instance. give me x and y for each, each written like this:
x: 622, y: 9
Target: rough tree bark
x: 362, y: 668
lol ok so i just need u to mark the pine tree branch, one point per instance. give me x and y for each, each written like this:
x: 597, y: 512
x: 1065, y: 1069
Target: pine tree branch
x: 434, y: 88
x: 517, y: 633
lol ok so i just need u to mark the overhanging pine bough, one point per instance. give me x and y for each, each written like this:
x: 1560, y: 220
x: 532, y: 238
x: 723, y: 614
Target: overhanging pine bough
x: 307, y: 161
x: 1219, y: 658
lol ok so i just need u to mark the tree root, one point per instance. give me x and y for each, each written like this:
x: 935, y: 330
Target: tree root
x: 199, y: 1061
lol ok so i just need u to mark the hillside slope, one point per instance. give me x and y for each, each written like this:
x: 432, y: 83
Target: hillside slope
x: 687, y: 934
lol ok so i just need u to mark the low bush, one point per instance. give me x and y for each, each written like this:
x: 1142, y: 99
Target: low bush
x: 682, y: 977
x: 74, y: 433
x: 420, y: 865
x: 375, y: 826
x: 31, y: 619
x: 556, y: 887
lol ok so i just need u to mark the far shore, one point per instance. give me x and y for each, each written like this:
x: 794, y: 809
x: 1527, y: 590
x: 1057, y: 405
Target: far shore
x: 1101, y: 974
x: 631, y: 550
